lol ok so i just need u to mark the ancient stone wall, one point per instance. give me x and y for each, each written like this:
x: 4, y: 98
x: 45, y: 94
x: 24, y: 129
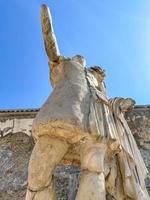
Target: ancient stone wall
x: 139, y: 122
x: 16, y: 145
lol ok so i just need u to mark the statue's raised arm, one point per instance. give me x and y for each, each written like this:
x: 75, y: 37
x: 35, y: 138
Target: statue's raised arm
x: 50, y: 41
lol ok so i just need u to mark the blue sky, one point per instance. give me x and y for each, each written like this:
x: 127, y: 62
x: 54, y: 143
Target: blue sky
x: 112, y: 34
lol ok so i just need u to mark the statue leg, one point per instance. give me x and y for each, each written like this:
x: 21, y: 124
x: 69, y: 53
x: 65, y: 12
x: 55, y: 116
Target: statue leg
x: 92, y: 182
x: 47, y: 153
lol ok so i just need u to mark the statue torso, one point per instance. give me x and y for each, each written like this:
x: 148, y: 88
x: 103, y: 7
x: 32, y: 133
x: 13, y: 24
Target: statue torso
x: 70, y: 99
x: 73, y: 110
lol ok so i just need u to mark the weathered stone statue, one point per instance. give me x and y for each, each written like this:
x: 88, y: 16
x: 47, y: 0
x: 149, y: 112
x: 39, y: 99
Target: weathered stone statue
x: 78, y: 124
x: 127, y: 165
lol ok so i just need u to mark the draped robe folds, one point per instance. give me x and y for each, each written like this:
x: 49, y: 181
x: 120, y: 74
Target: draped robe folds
x: 126, y: 178
x: 131, y: 164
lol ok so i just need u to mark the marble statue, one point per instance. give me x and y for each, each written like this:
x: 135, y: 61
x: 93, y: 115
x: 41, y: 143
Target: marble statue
x: 79, y: 124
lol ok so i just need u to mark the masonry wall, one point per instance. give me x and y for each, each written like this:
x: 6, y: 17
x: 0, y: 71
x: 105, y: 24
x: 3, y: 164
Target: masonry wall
x: 139, y: 122
x: 16, y: 145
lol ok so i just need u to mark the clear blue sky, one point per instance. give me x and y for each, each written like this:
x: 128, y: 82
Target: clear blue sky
x: 113, y: 34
